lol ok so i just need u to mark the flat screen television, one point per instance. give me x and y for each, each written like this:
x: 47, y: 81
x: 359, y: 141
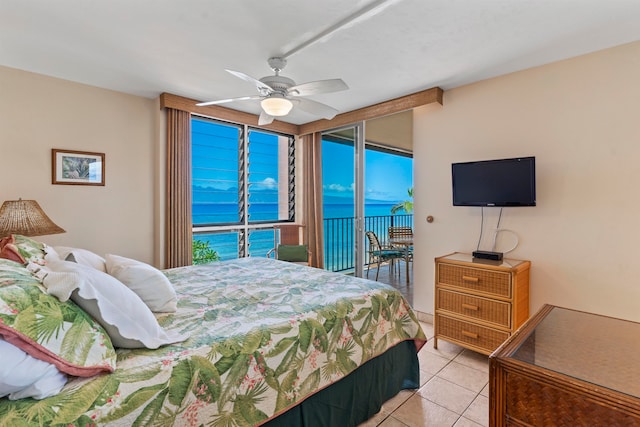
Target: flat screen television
x: 501, y: 182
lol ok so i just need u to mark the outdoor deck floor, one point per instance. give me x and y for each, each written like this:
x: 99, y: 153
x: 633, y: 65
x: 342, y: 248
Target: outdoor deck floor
x: 397, y: 279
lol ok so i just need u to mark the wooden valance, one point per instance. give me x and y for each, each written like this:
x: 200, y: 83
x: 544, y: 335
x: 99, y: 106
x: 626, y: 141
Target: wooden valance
x: 397, y: 105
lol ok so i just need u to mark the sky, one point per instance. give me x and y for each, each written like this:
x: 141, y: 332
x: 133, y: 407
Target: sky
x: 387, y: 176
x: 215, y: 166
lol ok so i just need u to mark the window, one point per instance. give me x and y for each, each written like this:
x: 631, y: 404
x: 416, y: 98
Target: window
x: 241, y: 186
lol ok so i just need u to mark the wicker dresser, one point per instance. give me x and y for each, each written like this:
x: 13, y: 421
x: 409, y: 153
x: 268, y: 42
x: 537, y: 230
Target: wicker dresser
x: 479, y: 303
x: 567, y: 368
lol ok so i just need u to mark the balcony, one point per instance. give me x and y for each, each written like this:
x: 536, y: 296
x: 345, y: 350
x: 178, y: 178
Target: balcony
x: 339, y: 235
x: 339, y: 255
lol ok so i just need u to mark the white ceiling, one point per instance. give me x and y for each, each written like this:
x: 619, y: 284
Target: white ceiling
x: 146, y: 47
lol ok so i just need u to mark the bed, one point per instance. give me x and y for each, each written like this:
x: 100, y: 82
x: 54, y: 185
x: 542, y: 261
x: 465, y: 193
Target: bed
x: 264, y: 342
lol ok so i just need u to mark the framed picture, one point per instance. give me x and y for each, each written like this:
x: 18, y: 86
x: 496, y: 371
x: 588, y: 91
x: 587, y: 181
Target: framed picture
x: 70, y: 167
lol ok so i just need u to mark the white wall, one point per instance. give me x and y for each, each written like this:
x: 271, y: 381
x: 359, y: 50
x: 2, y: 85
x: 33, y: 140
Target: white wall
x: 38, y: 113
x: 581, y: 119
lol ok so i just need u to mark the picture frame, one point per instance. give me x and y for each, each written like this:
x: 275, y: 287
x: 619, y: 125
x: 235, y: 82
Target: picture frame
x: 71, y: 167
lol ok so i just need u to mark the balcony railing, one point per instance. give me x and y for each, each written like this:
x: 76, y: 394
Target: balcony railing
x: 339, y: 238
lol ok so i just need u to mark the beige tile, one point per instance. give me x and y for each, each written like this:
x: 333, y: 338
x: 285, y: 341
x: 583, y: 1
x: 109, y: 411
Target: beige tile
x: 473, y: 360
x: 447, y: 394
x: 428, y: 329
x: 431, y: 362
x: 485, y: 391
x: 392, y: 404
x: 445, y: 349
x: 375, y: 420
x: 392, y: 422
x: 464, y: 376
x: 419, y: 412
x: 388, y: 407
x: 478, y: 411
x: 425, y: 377
x: 465, y: 422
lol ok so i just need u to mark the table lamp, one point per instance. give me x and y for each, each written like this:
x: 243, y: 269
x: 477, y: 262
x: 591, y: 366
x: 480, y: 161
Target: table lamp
x: 25, y: 217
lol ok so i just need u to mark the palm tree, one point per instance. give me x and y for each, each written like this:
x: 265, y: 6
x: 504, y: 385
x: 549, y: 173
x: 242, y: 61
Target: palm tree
x: 406, y: 205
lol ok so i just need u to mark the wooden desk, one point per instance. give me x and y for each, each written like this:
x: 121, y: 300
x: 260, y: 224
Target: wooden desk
x: 406, y: 243
x: 567, y: 368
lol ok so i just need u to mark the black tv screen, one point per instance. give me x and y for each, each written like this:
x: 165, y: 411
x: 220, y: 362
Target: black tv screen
x: 503, y: 182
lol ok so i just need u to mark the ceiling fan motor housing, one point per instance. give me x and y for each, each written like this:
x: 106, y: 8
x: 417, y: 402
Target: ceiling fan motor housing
x: 279, y: 84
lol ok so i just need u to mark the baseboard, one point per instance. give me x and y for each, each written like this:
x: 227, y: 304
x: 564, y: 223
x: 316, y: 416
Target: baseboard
x: 424, y: 317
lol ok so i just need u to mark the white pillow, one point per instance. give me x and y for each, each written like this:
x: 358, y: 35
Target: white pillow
x: 146, y: 281
x: 125, y: 317
x: 22, y: 375
x: 81, y: 256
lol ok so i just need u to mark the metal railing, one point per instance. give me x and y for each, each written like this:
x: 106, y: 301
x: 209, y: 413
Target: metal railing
x: 339, y: 238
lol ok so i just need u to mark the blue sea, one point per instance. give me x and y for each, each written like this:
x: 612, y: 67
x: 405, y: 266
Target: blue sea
x: 338, y: 233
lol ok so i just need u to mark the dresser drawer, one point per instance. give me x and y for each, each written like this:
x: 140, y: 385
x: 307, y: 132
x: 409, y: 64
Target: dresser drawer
x: 488, y: 281
x: 497, y: 312
x: 469, y: 334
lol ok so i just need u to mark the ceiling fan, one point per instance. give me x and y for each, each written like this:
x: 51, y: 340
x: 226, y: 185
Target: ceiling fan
x: 278, y: 94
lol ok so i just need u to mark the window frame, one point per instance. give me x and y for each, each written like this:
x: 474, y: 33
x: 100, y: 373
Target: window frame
x: 244, y: 227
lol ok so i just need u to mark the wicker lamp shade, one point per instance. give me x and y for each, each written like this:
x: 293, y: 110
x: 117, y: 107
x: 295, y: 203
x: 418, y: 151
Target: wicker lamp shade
x: 27, y: 218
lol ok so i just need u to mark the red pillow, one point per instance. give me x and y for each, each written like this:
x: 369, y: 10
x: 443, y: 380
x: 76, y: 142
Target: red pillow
x: 11, y: 252
x: 6, y: 240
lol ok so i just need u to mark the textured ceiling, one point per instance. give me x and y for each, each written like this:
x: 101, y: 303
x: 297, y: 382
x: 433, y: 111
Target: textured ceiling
x: 146, y: 47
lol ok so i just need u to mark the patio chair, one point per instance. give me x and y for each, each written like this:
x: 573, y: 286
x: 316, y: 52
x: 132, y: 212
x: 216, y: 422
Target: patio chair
x: 287, y: 244
x: 402, y: 232
x: 401, y: 238
x: 379, y: 254
x: 298, y: 254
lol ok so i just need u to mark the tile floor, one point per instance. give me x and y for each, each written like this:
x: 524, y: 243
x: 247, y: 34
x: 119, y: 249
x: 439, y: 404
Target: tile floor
x: 454, y: 390
x: 454, y: 381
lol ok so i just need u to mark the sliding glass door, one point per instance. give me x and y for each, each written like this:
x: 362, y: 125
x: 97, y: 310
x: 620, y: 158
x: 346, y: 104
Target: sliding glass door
x: 343, y: 198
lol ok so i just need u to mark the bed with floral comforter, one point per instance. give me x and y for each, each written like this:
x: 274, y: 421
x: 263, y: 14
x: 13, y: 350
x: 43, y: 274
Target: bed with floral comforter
x: 265, y: 335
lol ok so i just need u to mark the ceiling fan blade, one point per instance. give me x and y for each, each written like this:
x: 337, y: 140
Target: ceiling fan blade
x: 265, y: 119
x: 317, y: 87
x: 224, y: 101
x: 260, y: 85
x: 315, y: 108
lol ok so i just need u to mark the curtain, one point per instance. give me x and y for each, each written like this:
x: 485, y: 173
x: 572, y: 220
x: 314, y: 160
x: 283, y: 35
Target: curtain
x: 178, y: 233
x: 314, y: 230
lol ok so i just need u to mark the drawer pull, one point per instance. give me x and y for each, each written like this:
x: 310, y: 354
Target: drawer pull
x: 470, y: 307
x: 470, y: 279
x: 470, y: 334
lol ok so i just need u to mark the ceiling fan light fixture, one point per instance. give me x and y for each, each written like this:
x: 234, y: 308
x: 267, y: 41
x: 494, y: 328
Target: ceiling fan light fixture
x: 276, y: 106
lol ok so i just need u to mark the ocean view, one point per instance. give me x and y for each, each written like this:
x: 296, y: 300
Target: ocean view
x: 261, y: 241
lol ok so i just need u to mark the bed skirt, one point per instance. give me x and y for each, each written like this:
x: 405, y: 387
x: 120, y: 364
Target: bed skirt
x: 360, y: 395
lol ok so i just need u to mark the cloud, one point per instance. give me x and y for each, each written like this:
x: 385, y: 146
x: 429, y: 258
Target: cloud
x: 265, y: 184
x: 339, y: 187
x: 379, y: 195
x: 269, y: 183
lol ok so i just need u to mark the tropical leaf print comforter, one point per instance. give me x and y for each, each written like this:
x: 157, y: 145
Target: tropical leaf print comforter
x: 265, y: 335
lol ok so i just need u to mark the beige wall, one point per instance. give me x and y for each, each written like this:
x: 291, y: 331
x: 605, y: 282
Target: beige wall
x: 38, y: 113
x: 395, y: 130
x: 580, y: 118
